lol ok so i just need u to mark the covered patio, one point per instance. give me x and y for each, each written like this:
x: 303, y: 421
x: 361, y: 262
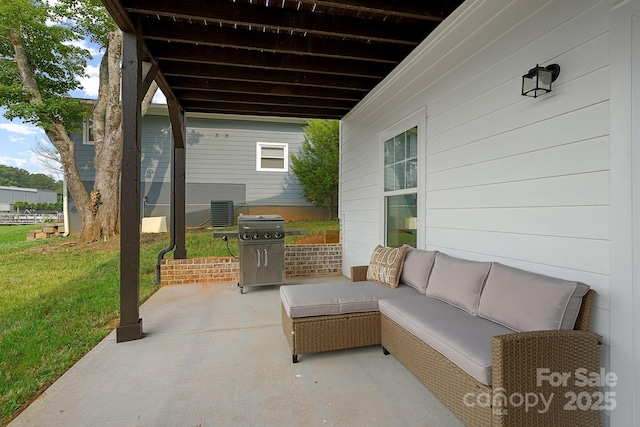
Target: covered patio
x: 548, y: 185
x: 213, y: 357
x: 312, y: 59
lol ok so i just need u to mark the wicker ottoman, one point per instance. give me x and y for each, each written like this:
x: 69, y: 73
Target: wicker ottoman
x: 325, y: 317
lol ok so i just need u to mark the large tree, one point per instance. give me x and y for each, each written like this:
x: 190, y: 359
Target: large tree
x: 317, y: 163
x: 40, y: 64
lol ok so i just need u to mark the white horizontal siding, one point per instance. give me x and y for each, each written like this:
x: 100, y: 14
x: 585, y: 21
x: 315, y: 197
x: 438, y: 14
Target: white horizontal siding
x: 582, y: 222
x: 571, y: 253
x: 511, y: 179
x: 365, y: 179
x: 578, y: 125
x: 570, y: 97
x: 549, y: 191
x: 557, y: 34
x: 581, y: 157
x: 360, y: 213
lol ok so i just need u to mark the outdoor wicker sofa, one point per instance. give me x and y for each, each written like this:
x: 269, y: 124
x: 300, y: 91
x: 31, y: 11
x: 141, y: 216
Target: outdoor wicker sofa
x: 499, y: 346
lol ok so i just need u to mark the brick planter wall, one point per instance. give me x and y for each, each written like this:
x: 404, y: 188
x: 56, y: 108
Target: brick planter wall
x: 300, y: 261
x: 199, y: 270
x: 313, y: 260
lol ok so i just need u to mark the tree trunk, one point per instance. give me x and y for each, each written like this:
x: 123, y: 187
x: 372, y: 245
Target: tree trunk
x: 99, y: 209
x: 56, y: 131
x: 108, y: 147
x: 107, y: 122
x: 65, y: 146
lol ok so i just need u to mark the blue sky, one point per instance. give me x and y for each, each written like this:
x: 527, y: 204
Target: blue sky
x: 18, y: 139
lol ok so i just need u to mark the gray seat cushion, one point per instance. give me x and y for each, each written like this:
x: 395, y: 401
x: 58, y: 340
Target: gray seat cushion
x: 459, y: 336
x: 337, y: 298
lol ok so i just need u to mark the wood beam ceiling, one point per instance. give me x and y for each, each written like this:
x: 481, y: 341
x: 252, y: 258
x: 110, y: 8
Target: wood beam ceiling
x: 295, y: 58
x: 281, y: 19
x: 282, y: 43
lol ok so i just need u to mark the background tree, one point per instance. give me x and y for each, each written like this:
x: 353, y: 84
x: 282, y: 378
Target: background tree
x: 40, y: 66
x: 7, y: 183
x: 13, y: 177
x: 317, y: 164
x: 41, y: 181
x: 17, y: 177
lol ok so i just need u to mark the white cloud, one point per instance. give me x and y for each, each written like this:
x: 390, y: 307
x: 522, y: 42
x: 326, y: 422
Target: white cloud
x: 91, y: 83
x: 22, y: 129
x: 13, y: 161
x: 30, y: 162
x: 85, y: 44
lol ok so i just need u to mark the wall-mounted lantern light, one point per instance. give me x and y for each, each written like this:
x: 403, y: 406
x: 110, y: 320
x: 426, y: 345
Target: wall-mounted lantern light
x: 538, y: 80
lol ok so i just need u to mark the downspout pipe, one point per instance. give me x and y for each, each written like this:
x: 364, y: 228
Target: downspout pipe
x: 65, y: 207
x: 172, y: 221
x: 161, y: 254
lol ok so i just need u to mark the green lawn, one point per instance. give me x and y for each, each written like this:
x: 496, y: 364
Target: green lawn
x: 58, y: 299
x: 201, y: 244
x: 13, y: 238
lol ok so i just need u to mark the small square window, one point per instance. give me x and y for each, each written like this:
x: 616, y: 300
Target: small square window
x: 272, y: 156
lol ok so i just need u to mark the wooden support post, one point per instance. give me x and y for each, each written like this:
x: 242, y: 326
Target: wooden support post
x: 130, y: 327
x: 178, y: 132
x: 180, y: 202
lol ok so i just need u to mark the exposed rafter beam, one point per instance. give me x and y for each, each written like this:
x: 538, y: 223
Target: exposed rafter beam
x: 244, y: 14
x: 415, y: 10
x: 229, y: 72
x: 261, y: 99
x: 274, y: 89
x: 213, y: 35
x: 264, y: 60
x: 257, y: 109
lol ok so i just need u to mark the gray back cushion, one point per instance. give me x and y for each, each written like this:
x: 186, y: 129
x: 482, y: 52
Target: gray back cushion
x: 458, y: 281
x: 417, y: 267
x: 527, y: 301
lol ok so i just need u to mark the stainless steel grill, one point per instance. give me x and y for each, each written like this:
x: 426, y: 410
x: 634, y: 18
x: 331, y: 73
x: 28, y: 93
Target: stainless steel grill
x: 261, y: 250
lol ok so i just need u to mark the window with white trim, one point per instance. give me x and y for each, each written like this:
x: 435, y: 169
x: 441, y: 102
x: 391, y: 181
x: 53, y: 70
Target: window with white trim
x: 87, y: 132
x: 272, y: 156
x: 400, y: 188
x: 401, y: 161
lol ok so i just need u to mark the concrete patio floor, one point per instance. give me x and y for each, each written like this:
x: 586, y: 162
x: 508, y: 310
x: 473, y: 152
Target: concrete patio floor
x: 213, y: 357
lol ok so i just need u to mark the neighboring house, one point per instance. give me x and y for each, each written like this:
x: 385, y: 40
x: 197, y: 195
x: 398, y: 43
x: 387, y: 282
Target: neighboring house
x: 547, y: 184
x: 10, y: 195
x: 238, y: 159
